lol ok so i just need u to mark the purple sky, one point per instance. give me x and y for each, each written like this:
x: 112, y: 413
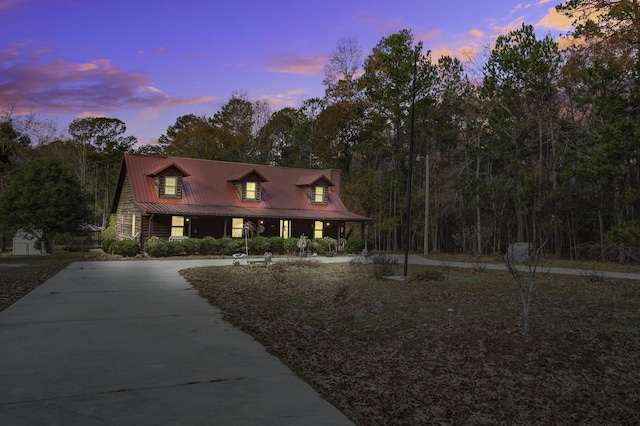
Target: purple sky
x: 147, y: 62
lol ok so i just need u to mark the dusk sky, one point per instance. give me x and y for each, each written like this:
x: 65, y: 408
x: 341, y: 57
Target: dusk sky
x: 147, y: 62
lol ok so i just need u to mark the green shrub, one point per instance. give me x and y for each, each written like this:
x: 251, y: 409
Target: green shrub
x: 276, y: 245
x: 107, y: 245
x: 176, y: 248
x: 384, y: 265
x: 210, y: 246
x: 354, y: 245
x: 231, y: 246
x: 261, y: 245
x: 429, y: 274
x: 126, y: 248
x: 191, y: 246
x: 156, y: 247
x: 291, y: 246
x: 316, y: 246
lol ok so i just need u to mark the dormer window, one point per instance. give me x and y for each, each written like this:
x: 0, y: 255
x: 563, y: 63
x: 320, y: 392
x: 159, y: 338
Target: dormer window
x: 250, y: 193
x: 170, y: 186
x: 248, y: 184
x: 319, y: 195
x: 168, y: 180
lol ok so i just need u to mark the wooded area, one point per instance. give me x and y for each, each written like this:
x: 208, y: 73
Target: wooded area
x: 533, y: 143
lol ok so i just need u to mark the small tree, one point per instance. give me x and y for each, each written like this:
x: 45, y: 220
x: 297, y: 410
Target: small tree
x: 525, y: 276
x: 44, y: 198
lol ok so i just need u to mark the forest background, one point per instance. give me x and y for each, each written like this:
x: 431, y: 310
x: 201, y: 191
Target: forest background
x: 535, y: 143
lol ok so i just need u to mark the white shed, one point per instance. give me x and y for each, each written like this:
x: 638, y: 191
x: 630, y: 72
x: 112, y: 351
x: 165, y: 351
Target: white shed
x: 24, y: 244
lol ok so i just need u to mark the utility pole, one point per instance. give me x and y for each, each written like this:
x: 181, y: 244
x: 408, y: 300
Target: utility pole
x: 426, y: 202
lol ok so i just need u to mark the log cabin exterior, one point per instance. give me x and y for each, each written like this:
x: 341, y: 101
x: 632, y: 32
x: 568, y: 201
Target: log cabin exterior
x: 175, y: 198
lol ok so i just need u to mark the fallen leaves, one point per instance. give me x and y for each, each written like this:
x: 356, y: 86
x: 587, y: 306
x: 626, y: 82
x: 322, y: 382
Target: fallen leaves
x: 384, y: 353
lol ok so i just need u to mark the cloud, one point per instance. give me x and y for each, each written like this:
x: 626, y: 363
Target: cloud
x: 9, y: 4
x: 57, y: 86
x: 290, y: 98
x: 555, y: 21
x: 294, y: 64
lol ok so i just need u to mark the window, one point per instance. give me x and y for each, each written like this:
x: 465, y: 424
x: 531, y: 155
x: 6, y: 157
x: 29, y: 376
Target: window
x: 177, y: 226
x: 250, y: 191
x: 285, y: 229
x: 317, y: 229
x: 170, y: 186
x: 236, y: 227
x: 133, y: 225
x: 318, y: 195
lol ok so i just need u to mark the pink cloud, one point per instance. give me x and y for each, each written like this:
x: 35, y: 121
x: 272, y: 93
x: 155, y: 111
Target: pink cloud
x: 554, y: 20
x: 290, y: 98
x: 9, y: 4
x: 293, y: 64
x: 61, y: 87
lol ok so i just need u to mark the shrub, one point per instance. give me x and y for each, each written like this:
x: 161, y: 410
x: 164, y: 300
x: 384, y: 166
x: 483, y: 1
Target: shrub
x: 107, y: 245
x: 156, y: 247
x: 276, y: 245
x: 191, y: 246
x: 230, y: 246
x: 261, y: 245
x: 354, y: 245
x: 384, y: 265
x: 429, y: 274
x: 316, y: 246
x: 176, y: 248
x: 291, y: 246
x: 126, y: 248
x: 209, y: 246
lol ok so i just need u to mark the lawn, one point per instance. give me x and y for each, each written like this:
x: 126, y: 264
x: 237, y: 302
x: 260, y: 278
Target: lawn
x: 388, y: 352
x: 21, y: 274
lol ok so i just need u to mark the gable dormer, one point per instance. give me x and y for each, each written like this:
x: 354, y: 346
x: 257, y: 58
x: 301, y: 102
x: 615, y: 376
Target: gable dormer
x: 316, y: 188
x: 248, y: 184
x: 168, y: 180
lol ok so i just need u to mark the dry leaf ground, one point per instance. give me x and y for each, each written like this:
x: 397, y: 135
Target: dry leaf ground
x: 387, y: 352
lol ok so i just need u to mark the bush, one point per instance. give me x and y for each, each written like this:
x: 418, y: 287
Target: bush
x: 291, y: 246
x: 261, y: 245
x: 230, y: 246
x: 191, y: 246
x: 384, y: 265
x: 156, y: 247
x: 354, y: 245
x: 126, y: 248
x: 176, y: 248
x: 429, y: 274
x: 276, y: 245
x: 210, y: 246
x: 316, y: 246
x: 107, y: 245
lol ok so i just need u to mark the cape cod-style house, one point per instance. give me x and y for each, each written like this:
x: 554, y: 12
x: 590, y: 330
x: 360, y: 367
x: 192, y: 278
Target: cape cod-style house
x: 173, y: 198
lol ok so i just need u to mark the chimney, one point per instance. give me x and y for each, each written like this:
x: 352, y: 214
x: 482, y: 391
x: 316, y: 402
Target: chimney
x: 334, y: 175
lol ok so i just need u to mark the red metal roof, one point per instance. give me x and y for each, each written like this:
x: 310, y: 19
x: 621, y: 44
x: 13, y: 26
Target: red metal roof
x: 207, y: 190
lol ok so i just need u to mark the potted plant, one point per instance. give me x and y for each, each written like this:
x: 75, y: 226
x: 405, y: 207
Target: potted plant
x: 332, y: 245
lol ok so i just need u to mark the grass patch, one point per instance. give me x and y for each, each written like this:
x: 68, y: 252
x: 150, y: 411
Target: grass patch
x: 388, y: 352
x: 21, y: 274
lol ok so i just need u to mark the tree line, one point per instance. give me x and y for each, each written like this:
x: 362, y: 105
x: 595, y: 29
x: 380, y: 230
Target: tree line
x: 534, y: 144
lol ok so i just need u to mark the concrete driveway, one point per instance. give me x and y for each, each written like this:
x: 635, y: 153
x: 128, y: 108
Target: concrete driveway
x: 131, y: 343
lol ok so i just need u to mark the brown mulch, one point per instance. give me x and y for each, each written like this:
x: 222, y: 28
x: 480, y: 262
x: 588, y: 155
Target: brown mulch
x: 385, y: 353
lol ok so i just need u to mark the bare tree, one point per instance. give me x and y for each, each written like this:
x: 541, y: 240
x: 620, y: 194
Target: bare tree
x: 524, y: 274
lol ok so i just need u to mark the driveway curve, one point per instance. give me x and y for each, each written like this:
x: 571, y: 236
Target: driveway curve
x: 132, y: 343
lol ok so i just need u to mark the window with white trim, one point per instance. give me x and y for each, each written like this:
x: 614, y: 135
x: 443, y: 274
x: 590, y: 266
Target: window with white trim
x: 177, y: 226
x: 236, y: 227
x: 319, y: 195
x: 170, y: 186
x: 318, y: 229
